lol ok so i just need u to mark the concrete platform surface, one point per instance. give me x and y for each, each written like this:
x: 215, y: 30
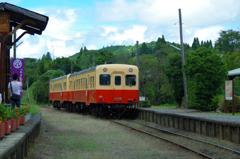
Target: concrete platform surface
x: 213, y: 116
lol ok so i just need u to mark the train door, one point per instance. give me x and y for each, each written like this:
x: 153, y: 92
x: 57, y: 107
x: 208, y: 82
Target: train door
x: 117, y: 87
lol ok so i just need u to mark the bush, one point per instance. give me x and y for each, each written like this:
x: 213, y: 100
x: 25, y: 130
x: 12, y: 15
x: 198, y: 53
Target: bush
x: 226, y: 106
x: 145, y: 104
x: 217, y: 101
x: 3, y: 112
x: 34, y: 109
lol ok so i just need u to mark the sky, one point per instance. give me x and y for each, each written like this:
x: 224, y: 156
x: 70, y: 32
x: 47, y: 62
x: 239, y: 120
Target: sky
x: 100, y: 23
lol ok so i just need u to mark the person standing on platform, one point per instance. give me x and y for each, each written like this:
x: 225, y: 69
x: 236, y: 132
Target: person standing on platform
x: 15, y: 91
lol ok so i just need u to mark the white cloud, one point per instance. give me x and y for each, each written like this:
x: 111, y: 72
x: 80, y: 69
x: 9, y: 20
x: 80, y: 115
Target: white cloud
x: 131, y: 34
x: 108, y: 30
x: 197, y: 12
x: 92, y: 47
x: 58, y: 38
x: 200, y: 17
x: 117, y: 22
x: 209, y: 33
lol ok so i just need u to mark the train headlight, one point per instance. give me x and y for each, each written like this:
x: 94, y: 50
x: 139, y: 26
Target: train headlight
x: 100, y: 98
x: 105, y: 69
x: 130, y: 70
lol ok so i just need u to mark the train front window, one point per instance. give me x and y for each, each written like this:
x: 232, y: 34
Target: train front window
x: 117, y: 80
x: 105, y: 79
x: 130, y: 80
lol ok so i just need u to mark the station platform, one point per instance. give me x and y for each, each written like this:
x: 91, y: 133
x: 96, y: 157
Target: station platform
x: 219, y: 125
x: 214, y: 116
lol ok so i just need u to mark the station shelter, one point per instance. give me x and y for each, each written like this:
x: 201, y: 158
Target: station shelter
x: 13, y: 18
x: 230, y: 91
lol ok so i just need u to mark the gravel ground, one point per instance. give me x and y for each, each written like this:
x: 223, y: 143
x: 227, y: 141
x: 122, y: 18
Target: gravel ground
x: 74, y: 136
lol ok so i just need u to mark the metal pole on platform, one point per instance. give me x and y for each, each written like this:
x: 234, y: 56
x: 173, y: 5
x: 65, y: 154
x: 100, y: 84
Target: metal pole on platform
x: 14, y: 45
x: 183, y: 61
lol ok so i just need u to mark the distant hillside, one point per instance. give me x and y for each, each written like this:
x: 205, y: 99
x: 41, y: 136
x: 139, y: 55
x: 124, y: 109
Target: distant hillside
x: 160, y: 65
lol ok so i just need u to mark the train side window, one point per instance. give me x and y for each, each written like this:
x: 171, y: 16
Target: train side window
x: 70, y: 85
x: 59, y: 87
x: 80, y: 83
x: 92, y: 82
x: 117, y: 80
x: 74, y: 85
x: 130, y: 80
x: 86, y: 83
x: 64, y: 86
x: 105, y: 79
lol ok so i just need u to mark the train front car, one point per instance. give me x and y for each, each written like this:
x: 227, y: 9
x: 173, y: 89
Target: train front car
x: 117, y: 89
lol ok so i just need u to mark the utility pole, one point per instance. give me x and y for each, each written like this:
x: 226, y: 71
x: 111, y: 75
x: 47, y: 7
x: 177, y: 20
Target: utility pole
x: 137, y: 54
x: 183, y: 62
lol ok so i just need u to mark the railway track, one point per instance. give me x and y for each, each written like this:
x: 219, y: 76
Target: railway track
x: 200, y: 147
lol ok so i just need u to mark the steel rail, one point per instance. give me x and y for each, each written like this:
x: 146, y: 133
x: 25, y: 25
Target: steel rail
x: 162, y: 138
x: 191, y: 138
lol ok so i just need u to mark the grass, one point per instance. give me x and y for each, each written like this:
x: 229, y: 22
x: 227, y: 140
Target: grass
x: 164, y: 106
x: 34, y: 109
x: 25, y: 98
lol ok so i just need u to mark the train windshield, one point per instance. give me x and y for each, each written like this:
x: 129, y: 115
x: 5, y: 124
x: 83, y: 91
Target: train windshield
x: 130, y: 80
x: 105, y: 79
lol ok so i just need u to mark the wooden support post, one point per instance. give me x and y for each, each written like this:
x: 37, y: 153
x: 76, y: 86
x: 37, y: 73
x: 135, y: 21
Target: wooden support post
x: 4, y: 56
x: 233, y: 98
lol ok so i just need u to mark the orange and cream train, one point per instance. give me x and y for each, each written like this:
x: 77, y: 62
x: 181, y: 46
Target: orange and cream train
x: 102, y: 90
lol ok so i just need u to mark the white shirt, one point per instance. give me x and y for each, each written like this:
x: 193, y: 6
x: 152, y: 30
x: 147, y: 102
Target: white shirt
x: 16, y: 87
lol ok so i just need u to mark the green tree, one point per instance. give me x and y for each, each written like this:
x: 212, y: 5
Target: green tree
x: 228, y: 41
x: 174, y: 73
x: 206, y: 73
x: 231, y: 60
x: 103, y: 57
x: 195, y: 43
x: 48, y: 56
x: 64, y: 64
x: 154, y: 83
x: 40, y: 88
x: 160, y: 43
x: 144, y: 49
x: 30, y: 72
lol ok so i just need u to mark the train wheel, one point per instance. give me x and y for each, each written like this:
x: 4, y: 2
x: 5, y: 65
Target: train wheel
x: 54, y: 104
x: 77, y: 108
x: 59, y: 106
x: 68, y: 107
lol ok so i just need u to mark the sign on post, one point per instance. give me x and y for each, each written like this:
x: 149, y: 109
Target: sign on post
x: 17, y: 66
x: 229, y: 90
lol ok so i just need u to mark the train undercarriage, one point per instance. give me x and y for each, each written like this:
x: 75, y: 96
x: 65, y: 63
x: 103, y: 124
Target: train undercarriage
x: 115, y: 111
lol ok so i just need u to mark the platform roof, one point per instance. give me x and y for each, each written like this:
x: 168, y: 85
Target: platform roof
x: 234, y: 73
x: 18, y: 15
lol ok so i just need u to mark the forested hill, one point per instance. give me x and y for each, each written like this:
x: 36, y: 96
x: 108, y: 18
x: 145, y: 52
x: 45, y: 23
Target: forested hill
x: 160, y: 68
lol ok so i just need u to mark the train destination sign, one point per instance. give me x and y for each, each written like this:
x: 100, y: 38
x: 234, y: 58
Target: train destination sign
x: 228, y: 90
